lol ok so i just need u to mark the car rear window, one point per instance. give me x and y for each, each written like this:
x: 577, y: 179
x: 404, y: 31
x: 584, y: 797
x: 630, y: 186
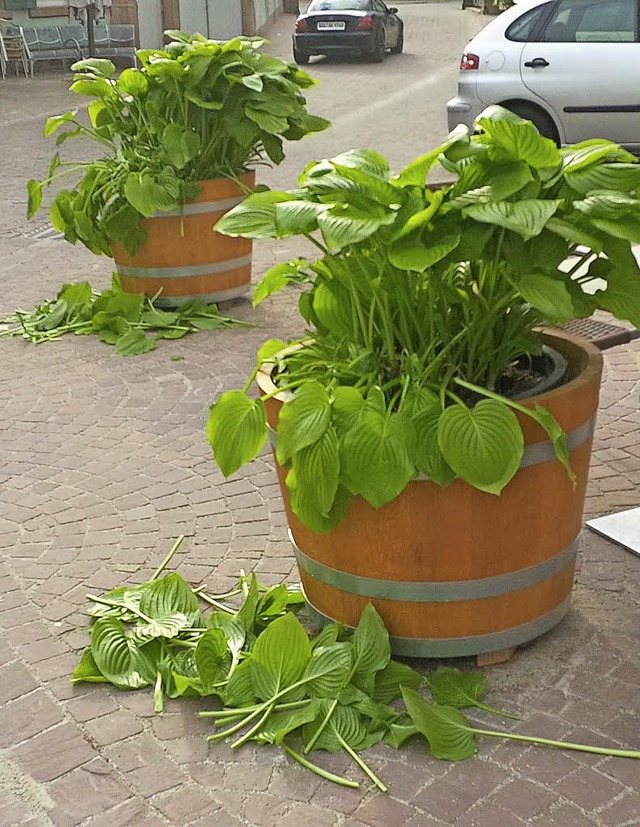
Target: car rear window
x: 524, y: 28
x: 339, y: 5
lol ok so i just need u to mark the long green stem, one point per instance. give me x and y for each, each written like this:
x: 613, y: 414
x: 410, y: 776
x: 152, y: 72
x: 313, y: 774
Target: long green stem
x: 361, y: 764
x: 167, y: 559
x: 620, y: 753
x: 158, y: 698
x: 500, y: 712
x: 104, y: 601
x: 251, y: 732
x: 329, y: 776
x: 321, y: 728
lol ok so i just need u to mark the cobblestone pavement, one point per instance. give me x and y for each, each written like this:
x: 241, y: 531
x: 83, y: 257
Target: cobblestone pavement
x: 104, y: 462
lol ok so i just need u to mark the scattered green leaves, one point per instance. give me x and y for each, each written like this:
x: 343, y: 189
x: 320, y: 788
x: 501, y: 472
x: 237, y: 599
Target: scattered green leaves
x: 128, y: 321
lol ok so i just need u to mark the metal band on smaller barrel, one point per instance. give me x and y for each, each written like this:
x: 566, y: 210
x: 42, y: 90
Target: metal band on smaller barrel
x: 206, y: 269
x: 200, y: 207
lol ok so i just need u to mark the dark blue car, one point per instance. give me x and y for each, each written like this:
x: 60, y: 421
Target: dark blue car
x: 366, y: 27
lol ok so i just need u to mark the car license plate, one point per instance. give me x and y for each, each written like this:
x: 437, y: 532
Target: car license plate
x: 333, y: 25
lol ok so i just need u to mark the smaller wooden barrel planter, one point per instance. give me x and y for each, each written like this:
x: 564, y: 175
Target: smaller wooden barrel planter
x: 184, y: 258
x: 455, y: 571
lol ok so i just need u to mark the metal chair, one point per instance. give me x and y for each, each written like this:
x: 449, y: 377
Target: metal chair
x: 15, y: 50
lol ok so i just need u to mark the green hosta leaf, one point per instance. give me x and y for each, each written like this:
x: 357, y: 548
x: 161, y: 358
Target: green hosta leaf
x: 119, y: 658
x: 240, y: 690
x: 421, y: 250
x: 421, y: 218
x: 247, y: 612
x: 87, y: 670
x: 328, y: 670
x: 132, y: 82
x: 278, y: 277
x: 528, y: 218
x: 167, y: 596
x: 57, y: 121
x: 237, y: 430
x: 483, y: 445
x: 297, y: 217
x: 268, y: 350
x: 548, y: 295
x: 344, y: 725
x: 253, y: 82
x: 518, y: 139
x: 273, y: 147
x: 255, y: 217
x: 624, y: 226
x: 344, y: 224
x: 375, y: 457
x: 147, y: 195
x: 309, y: 515
x: 79, y: 293
x: 593, y: 153
x: 279, y: 724
x: 232, y: 628
x: 34, y: 190
x: 328, y: 636
x: 95, y: 65
x: 390, y: 680
x: 399, y: 732
x: 273, y: 124
x: 347, y: 404
x: 415, y: 174
x: 446, y: 729
x: 575, y: 234
x: 370, y: 643
x: 167, y: 626
x: 280, y: 656
x: 428, y: 456
x: 608, y: 205
x: 133, y: 343
x: 213, y: 658
x: 127, y: 599
x: 94, y: 87
x: 451, y: 687
x: 303, y: 420
x: 316, y: 470
x: 332, y: 307
x: 558, y: 437
x: 620, y: 177
x: 181, y: 145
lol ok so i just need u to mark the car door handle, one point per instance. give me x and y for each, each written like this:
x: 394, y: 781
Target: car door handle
x: 536, y: 63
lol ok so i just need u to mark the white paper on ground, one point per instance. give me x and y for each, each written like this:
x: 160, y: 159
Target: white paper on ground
x: 623, y: 528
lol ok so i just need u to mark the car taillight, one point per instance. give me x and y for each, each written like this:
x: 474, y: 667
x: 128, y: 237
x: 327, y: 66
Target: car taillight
x: 302, y: 25
x: 365, y: 24
x: 469, y: 61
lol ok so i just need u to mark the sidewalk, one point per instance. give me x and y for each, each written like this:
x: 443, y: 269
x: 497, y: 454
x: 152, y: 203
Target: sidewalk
x: 104, y: 463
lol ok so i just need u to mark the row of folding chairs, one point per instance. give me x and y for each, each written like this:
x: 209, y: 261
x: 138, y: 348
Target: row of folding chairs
x: 14, y: 50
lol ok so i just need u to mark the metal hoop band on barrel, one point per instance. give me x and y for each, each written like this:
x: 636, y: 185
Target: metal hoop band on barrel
x: 414, y: 591
x: 185, y: 272
x: 473, y: 645
x: 200, y: 207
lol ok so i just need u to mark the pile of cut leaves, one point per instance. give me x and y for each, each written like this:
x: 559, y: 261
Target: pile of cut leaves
x: 129, y: 321
x: 274, y: 683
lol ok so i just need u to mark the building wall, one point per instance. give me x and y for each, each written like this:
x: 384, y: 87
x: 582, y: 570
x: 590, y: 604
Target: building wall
x: 266, y: 11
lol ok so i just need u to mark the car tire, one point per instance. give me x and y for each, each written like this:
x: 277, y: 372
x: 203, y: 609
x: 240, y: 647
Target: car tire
x: 301, y: 58
x: 397, y: 49
x: 376, y: 55
x: 538, y: 117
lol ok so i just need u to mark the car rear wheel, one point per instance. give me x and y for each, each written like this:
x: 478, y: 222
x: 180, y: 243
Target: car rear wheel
x: 397, y: 49
x: 376, y: 55
x: 538, y: 117
x: 300, y: 57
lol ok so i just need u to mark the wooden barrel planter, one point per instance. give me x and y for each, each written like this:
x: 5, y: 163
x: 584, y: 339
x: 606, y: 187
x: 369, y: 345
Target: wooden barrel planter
x: 455, y: 571
x: 184, y: 258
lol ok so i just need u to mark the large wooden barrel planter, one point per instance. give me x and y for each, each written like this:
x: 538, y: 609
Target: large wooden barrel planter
x: 454, y: 571
x: 184, y: 258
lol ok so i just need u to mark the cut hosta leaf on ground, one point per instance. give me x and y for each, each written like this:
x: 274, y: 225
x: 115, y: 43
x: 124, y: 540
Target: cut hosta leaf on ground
x: 270, y: 682
x: 129, y: 322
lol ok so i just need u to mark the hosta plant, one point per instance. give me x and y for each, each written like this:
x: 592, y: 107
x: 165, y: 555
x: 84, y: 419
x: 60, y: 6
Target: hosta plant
x: 425, y: 303
x: 195, y: 109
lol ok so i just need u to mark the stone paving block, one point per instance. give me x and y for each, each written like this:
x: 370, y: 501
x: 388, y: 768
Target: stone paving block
x: 113, y: 727
x: 381, y: 810
x: 186, y: 805
x: 26, y: 716
x: 102, y: 789
x: 133, y: 813
x: 50, y: 754
x: 15, y: 681
x: 147, y: 767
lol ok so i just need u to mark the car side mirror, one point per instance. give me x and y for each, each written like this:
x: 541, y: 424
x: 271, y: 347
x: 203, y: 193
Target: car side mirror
x: 392, y: 10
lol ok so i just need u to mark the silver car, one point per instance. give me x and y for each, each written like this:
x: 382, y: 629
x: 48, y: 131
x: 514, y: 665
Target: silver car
x: 570, y: 66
